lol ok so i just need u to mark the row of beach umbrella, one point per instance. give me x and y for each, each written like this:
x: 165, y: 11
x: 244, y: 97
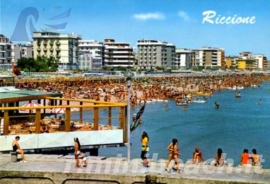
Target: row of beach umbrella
x: 59, y: 110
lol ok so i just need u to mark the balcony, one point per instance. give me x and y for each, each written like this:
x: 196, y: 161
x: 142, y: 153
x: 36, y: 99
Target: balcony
x: 58, y: 43
x: 58, y: 49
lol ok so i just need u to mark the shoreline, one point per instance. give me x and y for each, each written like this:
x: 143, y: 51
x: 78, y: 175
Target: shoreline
x: 147, y: 88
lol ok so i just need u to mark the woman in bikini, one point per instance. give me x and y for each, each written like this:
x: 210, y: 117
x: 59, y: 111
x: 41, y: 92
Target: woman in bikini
x: 219, y: 158
x: 173, y: 155
x: 197, y: 156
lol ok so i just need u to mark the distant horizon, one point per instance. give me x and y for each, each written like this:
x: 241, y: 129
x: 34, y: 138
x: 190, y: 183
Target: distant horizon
x: 235, y: 26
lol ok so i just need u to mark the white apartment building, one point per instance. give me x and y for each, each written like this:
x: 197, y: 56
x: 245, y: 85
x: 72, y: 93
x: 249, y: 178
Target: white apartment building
x: 63, y: 47
x: 6, y: 53
x: 118, y: 54
x: 261, y: 61
x: 184, y: 59
x: 245, y: 55
x: 23, y: 51
x: 91, y: 54
x: 198, y: 57
x: 84, y: 60
x: 153, y: 53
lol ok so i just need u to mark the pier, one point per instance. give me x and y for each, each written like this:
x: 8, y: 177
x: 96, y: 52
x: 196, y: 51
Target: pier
x: 59, y: 169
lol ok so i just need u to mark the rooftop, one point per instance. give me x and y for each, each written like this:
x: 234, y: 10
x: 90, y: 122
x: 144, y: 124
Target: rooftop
x: 11, y: 94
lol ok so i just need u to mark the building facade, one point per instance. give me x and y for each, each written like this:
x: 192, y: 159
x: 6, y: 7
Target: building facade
x: 91, y: 54
x: 153, y: 53
x: 213, y: 57
x: 23, y: 51
x: 64, y: 47
x: 245, y: 55
x: 261, y: 61
x: 6, y: 53
x: 230, y: 62
x: 252, y: 61
x: 198, y: 57
x: 184, y: 59
x: 246, y: 64
x: 118, y: 54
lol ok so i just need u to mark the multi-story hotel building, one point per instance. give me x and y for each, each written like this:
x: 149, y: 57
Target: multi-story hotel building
x: 261, y: 61
x: 230, y: 61
x: 6, y: 53
x: 153, y: 53
x: 91, y: 54
x: 198, y: 57
x: 23, y: 51
x: 250, y: 61
x: 63, y: 47
x: 118, y: 54
x: 184, y: 59
x: 245, y: 55
x: 213, y: 57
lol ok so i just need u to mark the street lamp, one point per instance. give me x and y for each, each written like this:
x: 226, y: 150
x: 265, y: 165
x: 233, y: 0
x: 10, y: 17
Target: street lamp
x: 128, y: 74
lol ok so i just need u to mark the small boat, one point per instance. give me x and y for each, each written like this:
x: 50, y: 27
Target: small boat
x: 137, y: 118
x: 216, y: 105
x: 237, y: 95
x: 199, y: 101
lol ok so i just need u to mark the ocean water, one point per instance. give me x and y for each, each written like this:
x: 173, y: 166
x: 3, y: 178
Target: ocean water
x: 239, y: 123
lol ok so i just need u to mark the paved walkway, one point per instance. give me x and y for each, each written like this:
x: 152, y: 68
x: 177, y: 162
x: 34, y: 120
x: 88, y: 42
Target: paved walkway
x: 102, y: 165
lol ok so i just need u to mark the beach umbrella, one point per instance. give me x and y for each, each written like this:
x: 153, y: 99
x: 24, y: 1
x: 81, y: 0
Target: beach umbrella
x: 62, y: 110
x: 30, y: 105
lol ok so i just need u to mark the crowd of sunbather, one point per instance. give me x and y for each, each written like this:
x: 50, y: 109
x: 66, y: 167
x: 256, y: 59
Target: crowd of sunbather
x: 143, y: 89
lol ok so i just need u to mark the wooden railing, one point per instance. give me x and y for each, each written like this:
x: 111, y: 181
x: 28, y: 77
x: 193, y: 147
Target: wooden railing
x: 83, y: 105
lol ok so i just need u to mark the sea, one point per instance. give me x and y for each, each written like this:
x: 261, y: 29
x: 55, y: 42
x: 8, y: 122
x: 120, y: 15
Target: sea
x: 238, y: 124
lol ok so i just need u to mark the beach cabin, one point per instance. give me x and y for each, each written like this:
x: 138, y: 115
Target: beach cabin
x: 96, y: 124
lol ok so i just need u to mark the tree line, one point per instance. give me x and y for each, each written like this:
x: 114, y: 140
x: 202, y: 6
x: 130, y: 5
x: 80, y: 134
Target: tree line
x: 39, y: 64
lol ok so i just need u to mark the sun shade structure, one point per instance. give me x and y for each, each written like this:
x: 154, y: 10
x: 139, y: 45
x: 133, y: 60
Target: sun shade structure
x: 62, y: 110
x: 32, y: 104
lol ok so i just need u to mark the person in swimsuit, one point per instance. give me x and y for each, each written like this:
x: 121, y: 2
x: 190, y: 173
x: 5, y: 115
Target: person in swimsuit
x: 219, y: 158
x: 144, y: 140
x: 173, y: 155
x: 16, y: 147
x: 44, y: 128
x: 255, y: 157
x: 77, y: 151
x: 197, y: 156
x: 245, y: 157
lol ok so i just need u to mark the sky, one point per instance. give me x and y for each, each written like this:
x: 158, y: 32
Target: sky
x: 180, y: 22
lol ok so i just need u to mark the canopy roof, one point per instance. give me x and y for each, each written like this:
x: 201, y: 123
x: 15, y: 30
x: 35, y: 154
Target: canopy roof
x: 10, y: 94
